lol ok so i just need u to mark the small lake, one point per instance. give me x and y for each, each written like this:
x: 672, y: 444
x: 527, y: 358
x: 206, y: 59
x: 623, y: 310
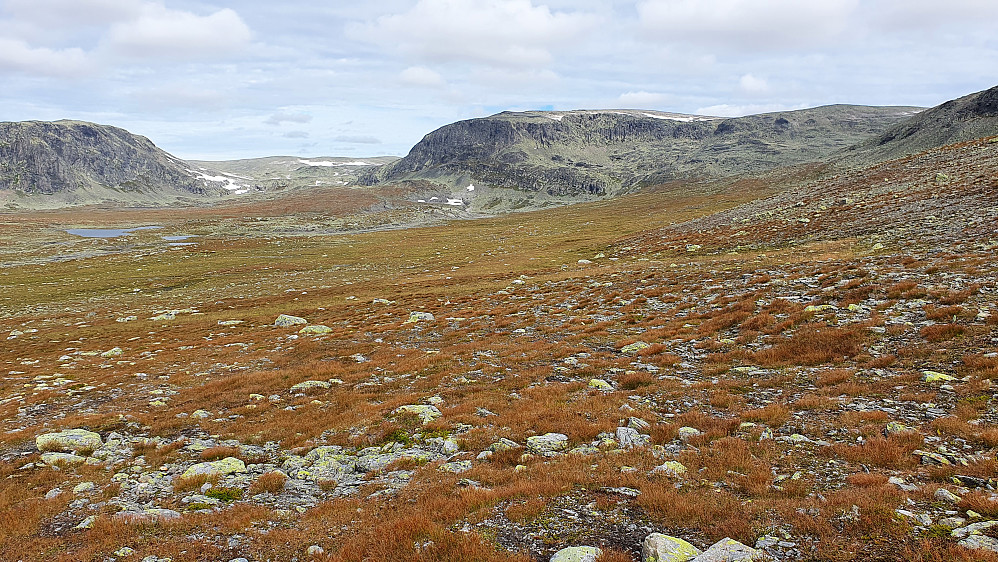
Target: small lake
x: 107, y: 232
x: 177, y: 238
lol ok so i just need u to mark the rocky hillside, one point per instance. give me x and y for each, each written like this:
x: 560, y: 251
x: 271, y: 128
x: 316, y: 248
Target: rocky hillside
x: 595, y: 153
x: 967, y: 118
x: 278, y: 173
x: 78, y: 162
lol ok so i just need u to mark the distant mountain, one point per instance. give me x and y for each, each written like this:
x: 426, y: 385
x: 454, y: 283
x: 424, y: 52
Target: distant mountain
x: 276, y: 173
x: 582, y: 154
x: 967, y: 118
x: 68, y: 162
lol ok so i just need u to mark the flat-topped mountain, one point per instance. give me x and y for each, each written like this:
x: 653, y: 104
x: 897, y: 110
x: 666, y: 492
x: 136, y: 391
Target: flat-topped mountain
x: 593, y: 153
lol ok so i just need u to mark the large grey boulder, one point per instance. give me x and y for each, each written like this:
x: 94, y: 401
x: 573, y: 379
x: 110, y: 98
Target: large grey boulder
x: 286, y: 320
x: 730, y: 550
x: 71, y: 440
x: 577, y: 554
x: 548, y: 443
x: 663, y: 548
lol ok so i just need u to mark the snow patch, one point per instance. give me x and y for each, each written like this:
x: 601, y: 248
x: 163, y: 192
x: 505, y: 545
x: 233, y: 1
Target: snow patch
x: 455, y: 202
x: 329, y: 164
x: 556, y: 117
x: 230, y: 184
x: 471, y: 188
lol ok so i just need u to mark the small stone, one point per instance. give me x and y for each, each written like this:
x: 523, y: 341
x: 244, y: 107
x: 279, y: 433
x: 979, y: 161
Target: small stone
x: 663, y: 548
x: 896, y: 428
x: 124, y: 551
x: 84, y: 488
x: 637, y: 423
x: 687, y: 433
x: 62, y: 459
x: 315, y: 550
x: 577, y: 554
x: 456, y: 467
x: 629, y: 437
x: 942, y: 494
x: 87, y: 523
x: 670, y: 468
x: 936, y: 376
x: 201, y: 414
x: 286, y: 320
x: 310, y: 385
x: 113, y: 352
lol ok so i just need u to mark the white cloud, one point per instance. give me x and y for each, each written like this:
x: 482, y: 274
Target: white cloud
x: 753, y: 25
x: 160, y: 32
x: 643, y: 100
x: 49, y: 13
x: 20, y: 57
x: 421, y: 76
x: 288, y: 117
x: 727, y: 110
x: 753, y: 85
x: 510, y: 33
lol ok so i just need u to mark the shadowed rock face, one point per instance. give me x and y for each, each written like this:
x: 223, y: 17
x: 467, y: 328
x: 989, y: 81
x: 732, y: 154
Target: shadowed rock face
x: 48, y: 158
x: 594, y: 153
x: 967, y: 118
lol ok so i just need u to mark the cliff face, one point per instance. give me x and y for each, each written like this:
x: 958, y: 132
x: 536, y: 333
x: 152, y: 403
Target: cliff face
x: 585, y: 153
x: 42, y: 158
x: 963, y: 119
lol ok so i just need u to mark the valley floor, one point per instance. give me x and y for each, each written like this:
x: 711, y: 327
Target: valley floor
x: 808, y: 371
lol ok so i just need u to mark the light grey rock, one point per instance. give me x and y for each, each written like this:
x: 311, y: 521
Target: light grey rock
x: 286, y: 320
x: 663, y: 548
x: 972, y: 529
x: 942, y: 494
x: 730, y: 550
x: 577, y: 554
x: 228, y: 465
x: 629, y: 437
x: 425, y: 412
x: 71, y: 440
x: 548, y: 443
x: 980, y: 542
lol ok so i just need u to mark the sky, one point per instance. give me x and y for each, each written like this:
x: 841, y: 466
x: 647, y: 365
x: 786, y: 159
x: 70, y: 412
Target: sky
x: 226, y: 79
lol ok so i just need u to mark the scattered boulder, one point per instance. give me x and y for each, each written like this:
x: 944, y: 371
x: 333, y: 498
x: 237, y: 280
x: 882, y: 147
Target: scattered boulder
x: 228, y: 465
x: 315, y: 330
x: 425, y: 412
x: 686, y: 433
x: 629, y: 437
x: 730, y: 550
x: 113, y: 352
x: 548, y: 443
x: 980, y: 542
x: 936, y: 376
x: 663, y: 548
x: 152, y: 515
x: 286, y: 320
x: 577, y: 554
x: 71, y: 440
x: 457, y: 467
x: 305, y: 386
x: 600, y: 384
x: 671, y: 468
x: 634, y: 347
x: 62, y: 459
x: 419, y: 317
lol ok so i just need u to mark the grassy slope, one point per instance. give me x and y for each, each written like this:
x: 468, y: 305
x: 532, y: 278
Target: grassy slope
x: 710, y: 295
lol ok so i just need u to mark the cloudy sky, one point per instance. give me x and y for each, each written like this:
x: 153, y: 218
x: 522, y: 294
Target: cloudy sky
x: 225, y: 79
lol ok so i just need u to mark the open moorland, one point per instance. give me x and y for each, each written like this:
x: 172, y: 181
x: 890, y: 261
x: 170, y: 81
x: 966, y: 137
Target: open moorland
x: 803, y: 363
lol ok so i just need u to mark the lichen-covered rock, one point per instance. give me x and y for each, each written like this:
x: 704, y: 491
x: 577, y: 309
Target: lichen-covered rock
x: 634, y: 347
x: 113, y: 352
x: 730, y: 550
x: 577, y: 554
x: 425, y: 412
x: 315, y: 330
x: 62, y: 459
x: 152, y: 515
x: 547, y: 443
x: 671, y: 468
x: 980, y: 542
x: 457, y: 467
x: 71, y: 440
x: 629, y: 437
x: 419, y: 317
x: 310, y: 385
x: 600, y: 384
x: 973, y: 529
x: 936, y: 376
x: 663, y: 548
x: 228, y: 465
x: 687, y: 433
x: 286, y: 320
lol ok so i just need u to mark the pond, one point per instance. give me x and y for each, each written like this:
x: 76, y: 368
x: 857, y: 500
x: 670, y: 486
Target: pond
x: 107, y: 232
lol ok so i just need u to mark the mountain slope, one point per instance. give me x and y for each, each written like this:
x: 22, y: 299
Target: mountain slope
x: 580, y: 154
x: 275, y: 173
x: 66, y: 162
x: 967, y: 118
